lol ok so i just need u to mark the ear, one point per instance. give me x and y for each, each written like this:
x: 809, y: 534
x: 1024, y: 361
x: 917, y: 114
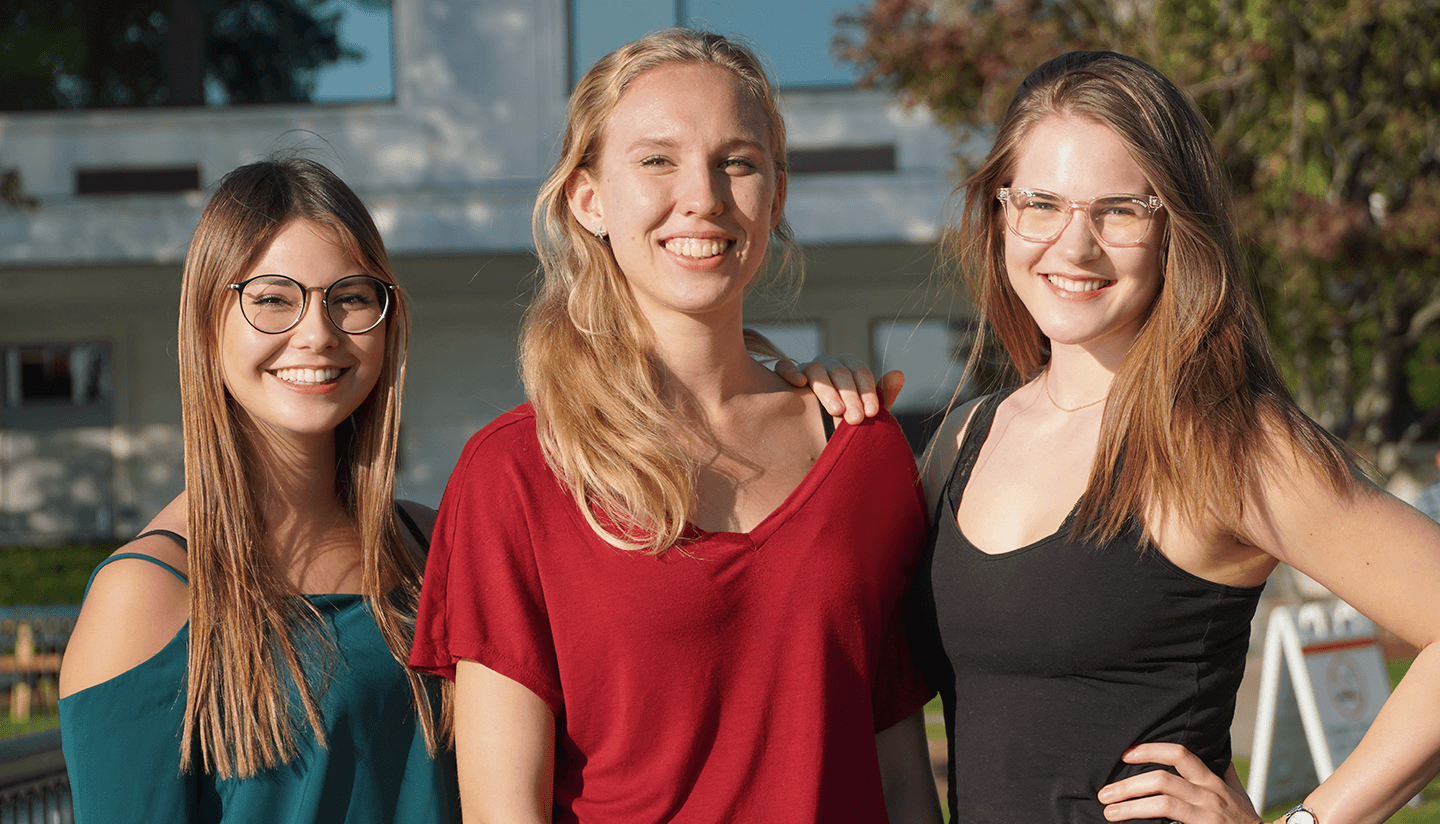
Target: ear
x: 777, y: 209
x: 582, y: 192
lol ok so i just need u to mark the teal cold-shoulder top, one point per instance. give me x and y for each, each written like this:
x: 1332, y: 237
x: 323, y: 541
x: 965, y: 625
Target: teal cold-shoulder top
x: 122, y: 742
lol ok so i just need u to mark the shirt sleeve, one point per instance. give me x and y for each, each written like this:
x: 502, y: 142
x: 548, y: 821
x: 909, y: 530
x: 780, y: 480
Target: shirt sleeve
x: 483, y: 598
x: 899, y: 688
x: 121, y: 740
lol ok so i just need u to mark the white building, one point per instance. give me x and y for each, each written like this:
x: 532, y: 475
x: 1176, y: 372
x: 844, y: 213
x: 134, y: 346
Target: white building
x: 447, y: 147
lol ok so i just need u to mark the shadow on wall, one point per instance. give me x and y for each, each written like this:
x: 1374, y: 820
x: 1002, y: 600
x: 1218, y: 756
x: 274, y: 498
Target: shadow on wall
x: 76, y: 484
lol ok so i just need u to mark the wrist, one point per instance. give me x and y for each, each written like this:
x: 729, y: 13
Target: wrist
x: 1300, y: 814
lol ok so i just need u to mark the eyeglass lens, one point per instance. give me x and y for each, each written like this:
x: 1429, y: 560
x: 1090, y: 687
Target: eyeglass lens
x: 1041, y: 216
x: 274, y: 303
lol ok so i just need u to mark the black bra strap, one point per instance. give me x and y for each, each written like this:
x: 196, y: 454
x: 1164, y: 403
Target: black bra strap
x: 412, y: 526
x: 174, y: 536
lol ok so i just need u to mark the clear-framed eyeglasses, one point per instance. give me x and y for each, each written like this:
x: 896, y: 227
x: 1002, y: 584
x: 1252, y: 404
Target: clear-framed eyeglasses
x: 1118, y: 220
x: 275, y: 303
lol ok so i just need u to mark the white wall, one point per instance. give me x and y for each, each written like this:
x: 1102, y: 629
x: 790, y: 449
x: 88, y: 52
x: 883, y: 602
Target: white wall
x: 450, y: 169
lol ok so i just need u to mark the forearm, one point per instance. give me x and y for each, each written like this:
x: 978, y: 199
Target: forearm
x: 905, y: 771
x: 1397, y: 757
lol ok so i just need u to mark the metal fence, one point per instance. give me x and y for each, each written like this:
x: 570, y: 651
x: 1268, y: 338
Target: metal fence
x: 33, y: 785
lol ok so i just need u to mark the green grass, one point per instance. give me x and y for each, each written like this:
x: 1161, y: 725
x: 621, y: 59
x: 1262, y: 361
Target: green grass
x: 10, y: 728
x: 48, y: 575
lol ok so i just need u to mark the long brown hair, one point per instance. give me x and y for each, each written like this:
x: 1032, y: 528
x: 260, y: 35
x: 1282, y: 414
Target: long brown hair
x: 244, y: 620
x: 1195, y: 400
x: 586, y: 355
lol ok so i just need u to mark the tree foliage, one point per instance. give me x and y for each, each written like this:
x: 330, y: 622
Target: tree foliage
x: 80, y: 54
x: 1327, y: 115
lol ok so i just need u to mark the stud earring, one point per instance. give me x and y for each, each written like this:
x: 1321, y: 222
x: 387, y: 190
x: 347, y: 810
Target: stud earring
x: 599, y: 232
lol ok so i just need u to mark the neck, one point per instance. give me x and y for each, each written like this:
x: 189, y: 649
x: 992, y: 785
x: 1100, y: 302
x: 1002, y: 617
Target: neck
x: 705, y: 365
x: 295, y: 481
x: 1075, y: 379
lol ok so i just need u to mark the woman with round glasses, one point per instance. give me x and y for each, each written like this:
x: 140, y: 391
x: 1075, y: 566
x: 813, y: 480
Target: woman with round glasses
x: 240, y: 660
x: 1102, y: 533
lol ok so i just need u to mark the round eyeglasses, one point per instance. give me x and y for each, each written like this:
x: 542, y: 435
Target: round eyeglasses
x: 1118, y: 219
x: 275, y: 303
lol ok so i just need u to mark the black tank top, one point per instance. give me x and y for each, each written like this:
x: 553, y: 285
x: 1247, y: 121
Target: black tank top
x: 1056, y: 657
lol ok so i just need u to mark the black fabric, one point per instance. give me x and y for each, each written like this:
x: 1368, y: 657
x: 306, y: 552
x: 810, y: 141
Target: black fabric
x: 1055, y: 658
x: 413, y: 527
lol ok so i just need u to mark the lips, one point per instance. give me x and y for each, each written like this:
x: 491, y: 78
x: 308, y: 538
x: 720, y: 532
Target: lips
x: 306, y: 376
x: 698, y: 248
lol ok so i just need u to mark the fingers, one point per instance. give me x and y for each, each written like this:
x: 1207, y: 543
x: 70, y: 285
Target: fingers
x: 845, y: 387
x: 1195, y: 796
x: 1172, y: 755
x: 787, y: 369
x: 890, y: 385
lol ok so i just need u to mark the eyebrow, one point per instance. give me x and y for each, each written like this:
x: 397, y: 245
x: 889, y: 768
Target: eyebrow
x: 650, y: 143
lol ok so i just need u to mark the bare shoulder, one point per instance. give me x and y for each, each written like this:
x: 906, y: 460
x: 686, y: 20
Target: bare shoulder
x: 944, y: 446
x: 132, y: 610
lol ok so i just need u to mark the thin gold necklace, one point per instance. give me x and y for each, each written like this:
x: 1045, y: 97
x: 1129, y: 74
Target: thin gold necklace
x: 1062, y: 408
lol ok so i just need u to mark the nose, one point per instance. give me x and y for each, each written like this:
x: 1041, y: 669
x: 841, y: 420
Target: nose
x: 314, y: 331
x: 1078, y: 239
x: 702, y: 191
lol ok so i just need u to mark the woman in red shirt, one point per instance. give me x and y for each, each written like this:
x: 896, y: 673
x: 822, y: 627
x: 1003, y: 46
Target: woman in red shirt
x: 663, y: 590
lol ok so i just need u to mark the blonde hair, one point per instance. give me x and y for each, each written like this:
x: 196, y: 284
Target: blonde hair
x: 586, y: 355
x: 1195, y: 400
x: 244, y: 618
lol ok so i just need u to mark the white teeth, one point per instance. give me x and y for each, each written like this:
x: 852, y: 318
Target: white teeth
x: 1070, y: 285
x: 307, y: 376
x: 695, y: 247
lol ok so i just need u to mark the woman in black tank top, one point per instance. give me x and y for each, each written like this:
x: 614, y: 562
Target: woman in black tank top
x: 1102, y: 532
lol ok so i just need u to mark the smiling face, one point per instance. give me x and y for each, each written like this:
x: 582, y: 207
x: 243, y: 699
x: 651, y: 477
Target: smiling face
x: 1080, y: 291
x: 303, y: 382
x: 687, y: 188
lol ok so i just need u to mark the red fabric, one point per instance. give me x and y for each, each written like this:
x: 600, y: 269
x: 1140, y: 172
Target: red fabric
x: 741, y: 682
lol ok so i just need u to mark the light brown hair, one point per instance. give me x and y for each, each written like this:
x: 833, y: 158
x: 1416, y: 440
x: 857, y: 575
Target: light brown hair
x: 586, y: 354
x: 244, y: 618
x: 1195, y: 400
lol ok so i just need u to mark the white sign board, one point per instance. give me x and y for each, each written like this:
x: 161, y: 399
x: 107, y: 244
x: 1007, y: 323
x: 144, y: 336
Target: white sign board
x: 1318, y: 703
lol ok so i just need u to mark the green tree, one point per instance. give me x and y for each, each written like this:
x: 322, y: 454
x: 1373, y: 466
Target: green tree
x: 75, y: 54
x: 1327, y: 115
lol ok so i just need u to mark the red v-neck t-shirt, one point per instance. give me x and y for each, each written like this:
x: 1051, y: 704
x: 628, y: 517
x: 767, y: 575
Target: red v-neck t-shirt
x: 741, y: 680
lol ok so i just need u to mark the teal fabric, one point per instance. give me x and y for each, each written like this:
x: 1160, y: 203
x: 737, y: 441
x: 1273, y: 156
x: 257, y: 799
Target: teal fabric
x: 122, y: 743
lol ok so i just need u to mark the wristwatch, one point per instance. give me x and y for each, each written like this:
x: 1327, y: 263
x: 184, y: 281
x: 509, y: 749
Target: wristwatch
x: 1301, y: 814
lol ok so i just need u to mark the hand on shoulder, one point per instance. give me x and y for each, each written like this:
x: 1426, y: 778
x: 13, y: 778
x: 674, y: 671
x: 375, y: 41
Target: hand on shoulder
x: 132, y: 609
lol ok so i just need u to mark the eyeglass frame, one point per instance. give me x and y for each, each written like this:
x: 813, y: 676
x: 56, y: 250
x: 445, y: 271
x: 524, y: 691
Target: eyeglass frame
x: 305, y: 302
x: 1152, y: 204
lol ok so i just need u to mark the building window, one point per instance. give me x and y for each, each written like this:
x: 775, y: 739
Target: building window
x: 794, y: 37
x: 95, y: 54
x: 55, y: 385
x: 931, y: 353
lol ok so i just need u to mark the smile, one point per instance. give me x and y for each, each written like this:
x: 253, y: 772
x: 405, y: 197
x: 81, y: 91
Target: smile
x: 308, y: 377
x: 1073, y: 285
x: 696, y: 247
